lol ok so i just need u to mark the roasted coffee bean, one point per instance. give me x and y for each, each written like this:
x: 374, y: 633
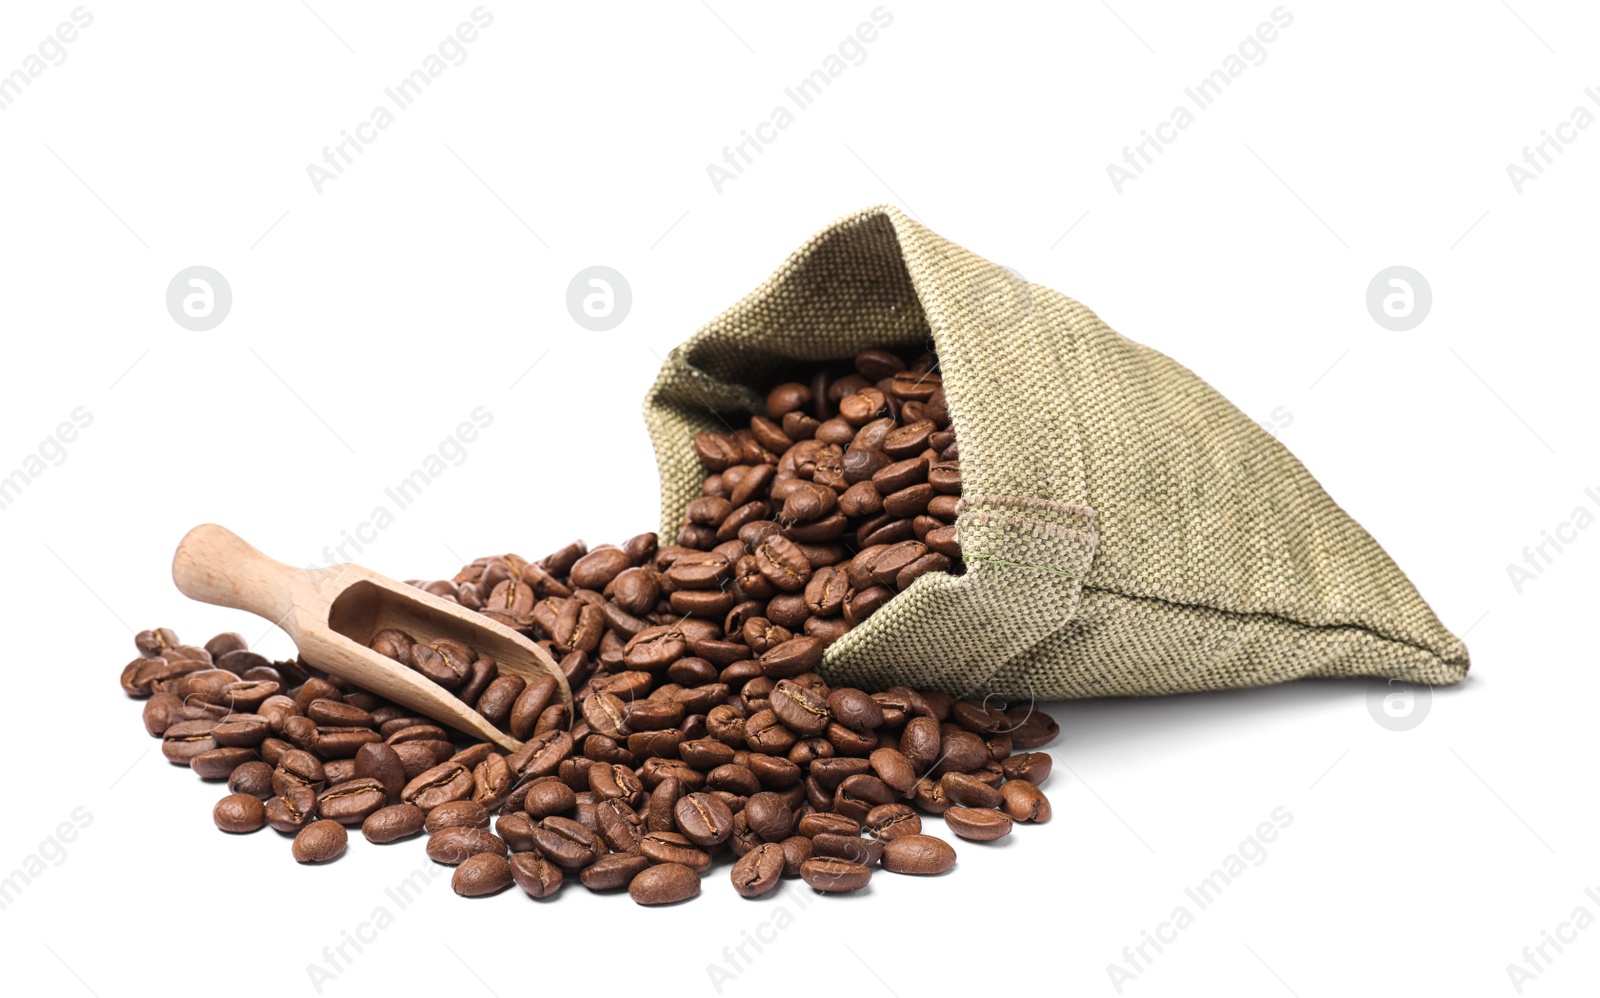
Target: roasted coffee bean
x: 894, y: 769
x: 239, y: 813
x: 547, y: 796
x: 535, y: 874
x: 930, y: 797
x: 851, y: 847
x: 350, y: 803
x: 499, y: 697
x: 448, y: 781
x: 969, y: 791
x: 320, y: 842
x: 855, y: 709
x: 619, y: 825
x: 979, y: 825
x: 827, y: 823
x: 796, y: 850
x: 516, y: 829
x: 668, y: 883
x: 219, y: 763
x: 254, y: 778
x: 769, y: 817
x: 241, y: 731
x: 298, y: 768
x: 758, y: 871
x: 332, y: 713
x: 381, y: 762
x: 765, y: 733
x: 567, y: 843
x: 481, y: 875
x: 530, y: 703
x: 670, y: 847
x: 1030, y: 728
x: 292, y: 809
x: 961, y: 751
x: 703, y: 819
x: 187, y: 739
x: 455, y: 844
x: 1025, y: 802
x: 491, y: 781
x: 1031, y: 766
x: 801, y: 710
x: 920, y: 741
x: 832, y: 875
x: 891, y: 821
x: 457, y: 814
x: 918, y: 855
x: 614, y: 871
x: 392, y: 823
x: 858, y: 795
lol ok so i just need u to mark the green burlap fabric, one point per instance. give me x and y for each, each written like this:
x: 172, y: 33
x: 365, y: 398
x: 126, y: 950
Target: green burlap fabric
x: 1125, y: 529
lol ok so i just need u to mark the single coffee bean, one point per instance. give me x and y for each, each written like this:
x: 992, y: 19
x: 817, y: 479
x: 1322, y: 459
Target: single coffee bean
x: 894, y: 769
x: 1031, y: 766
x: 187, y: 739
x: 530, y: 703
x: 219, y: 763
x: 1025, y: 802
x: 320, y: 842
x: 292, y: 809
x: 614, y: 871
x: 832, y: 875
x: 668, y: 883
x: 827, y: 823
x: 254, y: 778
x: 241, y: 731
x: 455, y: 844
x: 239, y: 813
x: 481, y: 875
x: 535, y: 874
x: 867, y: 852
x: 446, y: 782
x: 491, y: 782
x: 892, y: 821
x: 977, y: 824
x: 969, y: 791
x: 796, y: 850
x: 392, y: 823
x: 382, y: 762
x: 457, y: 814
x: 619, y: 825
x: 919, y: 855
x: 516, y: 829
x: 547, y: 796
x: 768, y: 816
x: 930, y: 797
x: 703, y: 819
x: 758, y: 871
x: 920, y: 742
x: 801, y: 710
x: 567, y: 843
x: 352, y: 802
x: 670, y: 847
x: 855, y: 709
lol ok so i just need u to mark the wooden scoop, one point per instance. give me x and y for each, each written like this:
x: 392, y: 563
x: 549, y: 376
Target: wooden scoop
x: 332, y: 614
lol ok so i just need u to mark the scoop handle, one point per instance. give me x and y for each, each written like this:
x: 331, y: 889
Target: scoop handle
x: 215, y: 565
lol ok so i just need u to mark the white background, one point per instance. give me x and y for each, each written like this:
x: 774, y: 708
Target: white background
x: 430, y: 279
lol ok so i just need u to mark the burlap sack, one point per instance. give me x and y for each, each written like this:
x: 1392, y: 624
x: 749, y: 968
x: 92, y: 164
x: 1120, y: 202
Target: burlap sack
x: 1125, y: 530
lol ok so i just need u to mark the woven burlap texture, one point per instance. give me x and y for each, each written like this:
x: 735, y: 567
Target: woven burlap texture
x: 1125, y: 529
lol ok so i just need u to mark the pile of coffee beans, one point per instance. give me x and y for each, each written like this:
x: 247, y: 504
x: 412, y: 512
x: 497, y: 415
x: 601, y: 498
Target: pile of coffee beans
x: 704, y: 732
